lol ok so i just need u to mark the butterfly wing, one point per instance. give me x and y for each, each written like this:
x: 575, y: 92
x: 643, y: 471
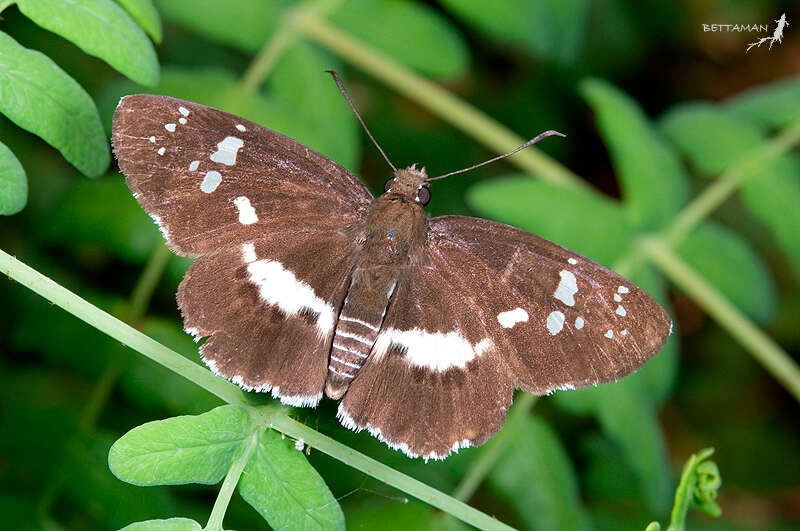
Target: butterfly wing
x: 495, y: 308
x: 270, y: 311
x: 210, y: 178
x: 261, y: 212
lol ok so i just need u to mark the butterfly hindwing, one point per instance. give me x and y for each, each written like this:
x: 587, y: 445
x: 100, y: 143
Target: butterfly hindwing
x: 434, y: 381
x: 210, y: 178
x: 269, y: 329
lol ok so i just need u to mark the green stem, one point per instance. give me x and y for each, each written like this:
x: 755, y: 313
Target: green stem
x: 392, y: 477
x: 286, y: 34
x: 761, y: 346
x: 483, y: 464
x: 120, y: 331
x: 231, y: 394
x: 730, y: 180
x: 229, y: 485
x: 437, y: 100
x: 146, y: 285
x: 138, y: 302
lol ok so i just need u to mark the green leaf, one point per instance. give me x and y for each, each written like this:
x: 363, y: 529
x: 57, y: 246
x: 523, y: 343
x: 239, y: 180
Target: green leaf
x: 581, y: 220
x: 300, y: 81
x: 244, y: 24
x: 102, y: 212
x: 773, y: 198
x: 13, y: 183
x: 41, y: 98
x: 145, y: 14
x: 653, y: 181
x: 710, y: 139
x: 534, y: 456
x: 714, y: 140
x: 552, y: 29
x: 187, y: 449
x: 410, y: 33
x: 285, y: 489
x: 630, y: 420
x: 773, y: 105
x: 171, y: 524
x: 100, y: 28
x: 729, y: 264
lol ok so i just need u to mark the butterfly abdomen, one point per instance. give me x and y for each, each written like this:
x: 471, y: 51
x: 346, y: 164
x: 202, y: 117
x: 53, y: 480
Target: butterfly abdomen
x: 359, y: 322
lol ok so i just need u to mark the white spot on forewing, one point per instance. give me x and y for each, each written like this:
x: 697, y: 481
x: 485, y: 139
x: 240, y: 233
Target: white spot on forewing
x: 279, y: 287
x: 623, y: 289
x: 170, y: 127
x: 247, y: 214
x: 624, y: 333
x: 194, y: 165
x: 183, y: 110
x: 431, y: 350
x: 227, y: 150
x: 609, y: 334
x: 621, y: 311
x: 617, y: 297
x: 211, y: 181
x: 510, y: 318
x: 555, y: 322
x: 567, y: 288
x: 483, y: 345
x: 182, y: 121
x: 572, y: 261
x: 249, y: 253
x: 241, y: 128
x: 162, y: 150
x: 579, y: 322
x: 152, y: 139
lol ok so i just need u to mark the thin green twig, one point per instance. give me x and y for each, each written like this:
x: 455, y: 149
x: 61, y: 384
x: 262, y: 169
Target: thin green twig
x: 730, y: 180
x: 760, y: 345
x: 233, y: 395
x: 437, y: 100
x: 392, y: 477
x: 286, y: 34
x: 483, y: 464
x: 229, y: 485
x: 138, y: 302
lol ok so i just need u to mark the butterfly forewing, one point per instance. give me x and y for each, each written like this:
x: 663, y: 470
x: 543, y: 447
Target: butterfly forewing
x: 569, y: 322
x: 210, y: 178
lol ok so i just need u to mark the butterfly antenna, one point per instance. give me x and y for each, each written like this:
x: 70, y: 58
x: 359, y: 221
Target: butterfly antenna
x: 353, y: 107
x: 529, y: 143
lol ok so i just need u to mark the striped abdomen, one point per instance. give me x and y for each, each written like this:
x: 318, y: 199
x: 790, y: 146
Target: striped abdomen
x: 358, y: 326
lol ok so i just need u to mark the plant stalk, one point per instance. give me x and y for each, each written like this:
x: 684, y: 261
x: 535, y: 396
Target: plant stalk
x: 229, y: 485
x: 762, y: 347
x: 439, y: 101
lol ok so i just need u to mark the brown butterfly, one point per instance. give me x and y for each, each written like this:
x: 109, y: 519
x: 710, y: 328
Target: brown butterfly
x: 305, y: 283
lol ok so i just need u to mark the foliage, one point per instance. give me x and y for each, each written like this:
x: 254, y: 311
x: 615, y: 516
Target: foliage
x: 597, y: 457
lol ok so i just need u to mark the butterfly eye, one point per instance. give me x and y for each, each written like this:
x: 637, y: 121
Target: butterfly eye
x: 423, y: 195
x: 388, y: 185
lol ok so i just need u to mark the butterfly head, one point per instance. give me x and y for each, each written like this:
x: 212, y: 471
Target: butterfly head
x: 409, y: 185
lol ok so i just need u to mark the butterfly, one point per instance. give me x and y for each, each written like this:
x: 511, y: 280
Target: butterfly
x: 305, y: 284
